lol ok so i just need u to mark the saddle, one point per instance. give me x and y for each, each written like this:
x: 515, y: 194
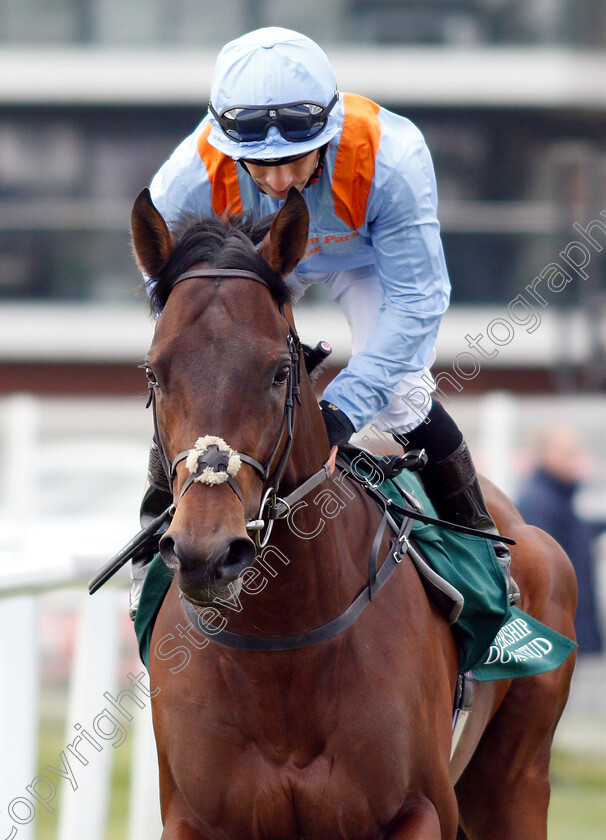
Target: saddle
x: 461, y: 574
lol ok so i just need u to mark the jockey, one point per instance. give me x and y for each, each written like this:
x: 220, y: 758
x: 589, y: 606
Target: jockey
x: 275, y: 120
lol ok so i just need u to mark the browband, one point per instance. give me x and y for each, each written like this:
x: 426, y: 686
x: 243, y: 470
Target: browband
x: 220, y: 272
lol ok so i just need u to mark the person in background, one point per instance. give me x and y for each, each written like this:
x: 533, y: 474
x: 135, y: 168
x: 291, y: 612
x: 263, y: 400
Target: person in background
x: 547, y: 501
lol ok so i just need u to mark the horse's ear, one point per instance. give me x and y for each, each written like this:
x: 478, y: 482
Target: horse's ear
x: 152, y: 241
x: 286, y: 242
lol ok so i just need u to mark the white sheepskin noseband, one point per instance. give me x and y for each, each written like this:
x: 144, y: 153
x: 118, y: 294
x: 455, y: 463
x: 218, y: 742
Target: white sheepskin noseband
x: 211, y: 475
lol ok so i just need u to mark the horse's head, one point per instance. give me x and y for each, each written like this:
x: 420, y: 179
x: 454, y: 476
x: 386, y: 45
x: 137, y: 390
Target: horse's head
x: 222, y: 372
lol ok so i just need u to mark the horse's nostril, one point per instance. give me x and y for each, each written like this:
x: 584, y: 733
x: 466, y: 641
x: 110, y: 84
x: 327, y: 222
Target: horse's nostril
x: 233, y: 557
x: 169, y: 555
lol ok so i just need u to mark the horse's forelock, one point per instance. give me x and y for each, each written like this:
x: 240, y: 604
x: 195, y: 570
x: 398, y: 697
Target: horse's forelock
x: 224, y: 243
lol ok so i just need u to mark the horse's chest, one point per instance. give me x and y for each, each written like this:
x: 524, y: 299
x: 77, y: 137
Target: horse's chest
x: 297, y: 749
x: 325, y: 799
x: 315, y: 805
x: 299, y: 780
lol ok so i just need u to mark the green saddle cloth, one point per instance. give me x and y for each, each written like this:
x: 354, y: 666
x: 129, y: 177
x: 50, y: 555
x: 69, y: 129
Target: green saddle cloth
x: 156, y: 585
x: 467, y: 562
x: 495, y: 641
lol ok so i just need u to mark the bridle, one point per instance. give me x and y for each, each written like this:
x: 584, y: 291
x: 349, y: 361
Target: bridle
x: 211, y: 464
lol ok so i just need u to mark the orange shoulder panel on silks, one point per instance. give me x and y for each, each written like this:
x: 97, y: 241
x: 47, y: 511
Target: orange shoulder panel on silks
x: 223, y: 176
x: 355, y: 162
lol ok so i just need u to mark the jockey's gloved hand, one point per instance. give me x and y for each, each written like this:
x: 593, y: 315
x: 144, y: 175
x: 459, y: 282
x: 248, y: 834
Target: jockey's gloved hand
x: 338, y: 425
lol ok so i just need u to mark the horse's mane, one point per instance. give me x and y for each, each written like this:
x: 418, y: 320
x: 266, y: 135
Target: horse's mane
x: 228, y: 242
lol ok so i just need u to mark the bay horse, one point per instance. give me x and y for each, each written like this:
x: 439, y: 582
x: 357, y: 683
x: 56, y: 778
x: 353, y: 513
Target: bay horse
x: 348, y: 737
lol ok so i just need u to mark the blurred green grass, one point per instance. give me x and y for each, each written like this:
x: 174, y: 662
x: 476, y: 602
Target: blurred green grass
x: 577, y: 810
x: 51, y: 743
x: 578, y: 797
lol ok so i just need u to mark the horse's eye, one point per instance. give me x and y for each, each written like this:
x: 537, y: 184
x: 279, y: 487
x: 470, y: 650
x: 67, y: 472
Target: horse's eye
x: 150, y: 375
x: 281, y: 376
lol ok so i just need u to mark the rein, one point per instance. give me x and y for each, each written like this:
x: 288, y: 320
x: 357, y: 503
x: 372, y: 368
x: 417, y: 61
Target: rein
x: 400, y: 544
x: 207, y: 460
x: 377, y: 579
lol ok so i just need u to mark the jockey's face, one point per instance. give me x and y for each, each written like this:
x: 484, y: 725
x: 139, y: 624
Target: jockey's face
x: 275, y: 181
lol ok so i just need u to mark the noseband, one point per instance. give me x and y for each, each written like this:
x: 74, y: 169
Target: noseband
x: 211, y: 460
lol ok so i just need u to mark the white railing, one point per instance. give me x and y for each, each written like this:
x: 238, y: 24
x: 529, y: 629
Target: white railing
x: 53, y: 535
x: 76, y: 780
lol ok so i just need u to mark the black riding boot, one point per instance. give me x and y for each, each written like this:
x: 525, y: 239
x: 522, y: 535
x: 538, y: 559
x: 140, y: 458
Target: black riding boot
x: 451, y: 482
x: 453, y: 487
x: 156, y: 498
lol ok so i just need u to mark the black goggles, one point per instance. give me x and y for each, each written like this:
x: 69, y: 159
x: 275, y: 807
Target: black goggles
x: 296, y: 121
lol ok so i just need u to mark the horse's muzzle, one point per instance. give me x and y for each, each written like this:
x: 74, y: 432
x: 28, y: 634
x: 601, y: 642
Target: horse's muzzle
x: 200, y: 571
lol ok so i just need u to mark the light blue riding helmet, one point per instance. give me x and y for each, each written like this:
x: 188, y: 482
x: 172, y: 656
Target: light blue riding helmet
x: 269, y: 67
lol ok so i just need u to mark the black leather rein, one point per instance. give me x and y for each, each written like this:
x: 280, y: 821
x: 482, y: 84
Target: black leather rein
x: 377, y: 579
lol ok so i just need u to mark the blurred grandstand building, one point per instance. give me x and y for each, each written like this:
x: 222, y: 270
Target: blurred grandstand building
x: 510, y: 95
